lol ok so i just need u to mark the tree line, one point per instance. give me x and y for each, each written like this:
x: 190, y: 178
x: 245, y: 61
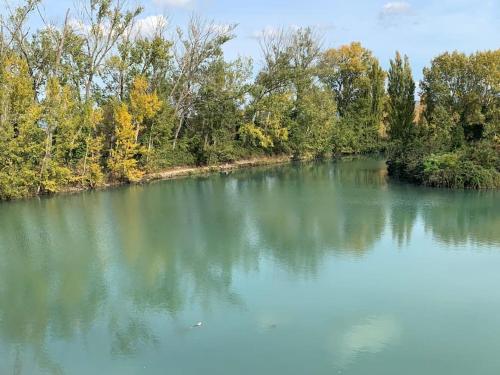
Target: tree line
x: 98, y: 101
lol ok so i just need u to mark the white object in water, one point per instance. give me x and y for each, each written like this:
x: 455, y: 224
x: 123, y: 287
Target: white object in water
x: 198, y: 325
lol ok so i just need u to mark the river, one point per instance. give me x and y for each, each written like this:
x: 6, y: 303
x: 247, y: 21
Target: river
x: 313, y: 268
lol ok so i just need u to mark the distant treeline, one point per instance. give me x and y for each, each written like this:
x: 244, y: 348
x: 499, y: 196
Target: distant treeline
x: 99, y: 100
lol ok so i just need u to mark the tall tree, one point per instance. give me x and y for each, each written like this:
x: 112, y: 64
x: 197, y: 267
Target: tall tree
x: 401, y: 100
x: 196, y: 48
x: 219, y: 110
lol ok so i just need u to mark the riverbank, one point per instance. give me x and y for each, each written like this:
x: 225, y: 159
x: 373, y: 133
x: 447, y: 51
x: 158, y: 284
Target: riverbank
x: 181, y: 172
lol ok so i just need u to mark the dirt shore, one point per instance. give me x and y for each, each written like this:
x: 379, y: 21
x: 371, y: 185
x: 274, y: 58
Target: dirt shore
x: 180, y: 172
x: 183, y: 172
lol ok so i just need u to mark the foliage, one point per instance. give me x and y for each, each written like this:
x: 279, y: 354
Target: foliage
x: 122, y: 161
x: 401, y: 100
x: 269, y: 128
x: 21, y: 138
x: 455, y: 171
x: 456, y: 142
x: 97, y: 101
x: 357, y: 81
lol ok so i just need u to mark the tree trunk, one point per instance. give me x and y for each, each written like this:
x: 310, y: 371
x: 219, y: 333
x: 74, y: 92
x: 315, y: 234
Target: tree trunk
x: 177, y: 132
x: 88, y: 86
x: 137, y: 128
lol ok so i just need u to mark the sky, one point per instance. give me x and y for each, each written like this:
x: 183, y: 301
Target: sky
x: 420, y: 29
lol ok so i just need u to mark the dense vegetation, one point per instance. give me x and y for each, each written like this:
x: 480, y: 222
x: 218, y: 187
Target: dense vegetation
x: 456, y: 139
x: 99, y: 100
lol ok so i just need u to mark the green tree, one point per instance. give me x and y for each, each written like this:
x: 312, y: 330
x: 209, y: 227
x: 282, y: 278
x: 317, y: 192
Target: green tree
x: 456, y: 143
x: 60, y: 122
x: 21, y: 137
x: 357, y: 81
x: 219, y: 111
x: 401, y: 100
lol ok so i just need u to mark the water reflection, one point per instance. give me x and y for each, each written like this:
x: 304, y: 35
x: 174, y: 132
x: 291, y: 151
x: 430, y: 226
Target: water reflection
x: 110, y: 257
x: 461, y: 217
x: 372, y: 335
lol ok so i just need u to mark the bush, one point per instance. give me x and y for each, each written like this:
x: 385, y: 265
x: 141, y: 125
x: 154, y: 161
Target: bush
x: 405, y: 161
x: 166, y: 157
x: 454, y: 170
x: 226, y: 153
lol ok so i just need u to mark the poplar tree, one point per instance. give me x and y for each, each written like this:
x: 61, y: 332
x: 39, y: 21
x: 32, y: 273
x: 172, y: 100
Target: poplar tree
x: 401, y: 101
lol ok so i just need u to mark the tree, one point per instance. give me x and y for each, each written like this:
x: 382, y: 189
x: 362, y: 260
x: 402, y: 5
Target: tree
x: 289, y: 85
x: 465, y: 89
x: 218, y: 109
x: 455, y: 144
x: 89, y: 168
x: 270, y: 122
x: 150, y: 57
x: 357, y: 81
x: 195, y: 50
x: 269, y: 115
x: 144, y: 106
x: 101, y: 24
x: 60, y: 122
x: 122, y: 162
x: 21, y: 139
x: 314, y: 123
x: 401, y: 100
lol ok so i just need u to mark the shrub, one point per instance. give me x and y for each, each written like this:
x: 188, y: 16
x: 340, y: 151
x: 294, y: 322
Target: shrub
x: 454, y: 170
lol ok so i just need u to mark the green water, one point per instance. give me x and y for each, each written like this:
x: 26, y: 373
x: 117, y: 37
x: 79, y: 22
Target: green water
x: 325, y: 268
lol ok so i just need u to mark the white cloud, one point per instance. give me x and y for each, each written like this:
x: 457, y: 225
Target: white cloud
x: 144, y: 27
x: 372, y: 335
x: 396, y: 8
x: 147, y: 27
x: 173, y: 3
x: 392, y: 12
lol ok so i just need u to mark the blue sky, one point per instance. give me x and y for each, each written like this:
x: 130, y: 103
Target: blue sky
x: 419, y: 28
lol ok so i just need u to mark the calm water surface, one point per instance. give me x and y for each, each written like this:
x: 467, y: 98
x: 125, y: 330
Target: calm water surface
x: 324, y: 268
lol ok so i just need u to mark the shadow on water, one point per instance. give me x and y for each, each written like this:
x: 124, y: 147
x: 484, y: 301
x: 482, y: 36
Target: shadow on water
x: 109, y: 256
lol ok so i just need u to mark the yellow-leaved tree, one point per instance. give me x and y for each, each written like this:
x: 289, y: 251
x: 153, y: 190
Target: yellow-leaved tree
x: 122, y: 161
x: 143, y: 104
x: 90, y: 169
x: 269, y: 128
